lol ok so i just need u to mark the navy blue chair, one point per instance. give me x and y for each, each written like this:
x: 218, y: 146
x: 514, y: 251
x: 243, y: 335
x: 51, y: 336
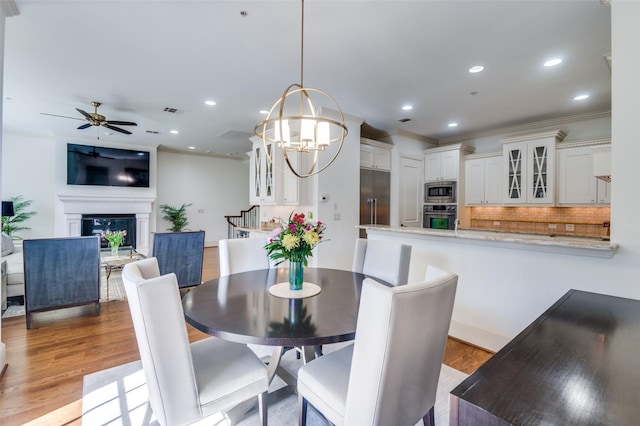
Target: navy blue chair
x: 61, y: 272
x: 180, y: 253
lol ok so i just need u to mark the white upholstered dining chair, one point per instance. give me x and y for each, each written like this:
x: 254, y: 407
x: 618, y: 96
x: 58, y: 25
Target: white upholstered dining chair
x: 186, y: 382
x: 385, y: 260
x: 242, y: 255
x: 389, y: 376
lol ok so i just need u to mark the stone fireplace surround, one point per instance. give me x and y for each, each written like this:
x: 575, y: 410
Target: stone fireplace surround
x: 74, y: 206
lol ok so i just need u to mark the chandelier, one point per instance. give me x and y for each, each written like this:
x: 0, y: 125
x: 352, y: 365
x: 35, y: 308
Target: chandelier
x: 300, y: 130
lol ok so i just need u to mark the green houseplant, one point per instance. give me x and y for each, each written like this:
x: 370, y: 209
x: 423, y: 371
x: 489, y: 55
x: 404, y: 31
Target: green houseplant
x: 176, y: 216
x: 11, y: 224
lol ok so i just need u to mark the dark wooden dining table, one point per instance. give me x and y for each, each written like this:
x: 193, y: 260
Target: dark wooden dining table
x: 239, y: 308
x: 577, y: 364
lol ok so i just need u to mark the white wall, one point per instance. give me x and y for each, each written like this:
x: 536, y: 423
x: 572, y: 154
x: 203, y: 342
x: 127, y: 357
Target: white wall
x: 29, y: 169
x: 216, y: 187
x: 341, y: 183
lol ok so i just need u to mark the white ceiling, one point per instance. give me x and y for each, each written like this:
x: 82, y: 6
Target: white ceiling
x: 138, y: 57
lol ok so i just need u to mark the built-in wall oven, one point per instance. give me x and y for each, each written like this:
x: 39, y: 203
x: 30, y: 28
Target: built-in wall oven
x: 440, y: 192
x: 440, y: 216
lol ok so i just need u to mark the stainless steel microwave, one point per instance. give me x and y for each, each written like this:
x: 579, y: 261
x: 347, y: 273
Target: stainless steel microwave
x: 440, y: 192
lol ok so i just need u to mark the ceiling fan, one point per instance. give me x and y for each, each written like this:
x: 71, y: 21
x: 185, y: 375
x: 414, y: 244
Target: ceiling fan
x: 95, y: 119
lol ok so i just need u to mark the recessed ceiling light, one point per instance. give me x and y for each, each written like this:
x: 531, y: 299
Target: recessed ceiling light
x: 210, y: 103
x: 476, y: 69
x: 453, y: 124
x: 580, y: 97
x: 192, y: 147
x: 407, y: 108
x: 174, y: 132
x: 552, y: 62
x: 264, y: 112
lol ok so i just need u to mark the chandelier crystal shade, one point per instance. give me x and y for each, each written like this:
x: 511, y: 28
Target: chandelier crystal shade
x: 294, y: 124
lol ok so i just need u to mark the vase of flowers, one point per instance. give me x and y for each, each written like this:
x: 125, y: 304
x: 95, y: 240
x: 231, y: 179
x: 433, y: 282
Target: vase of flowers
x: 115, y: 240
x: 294, y: 241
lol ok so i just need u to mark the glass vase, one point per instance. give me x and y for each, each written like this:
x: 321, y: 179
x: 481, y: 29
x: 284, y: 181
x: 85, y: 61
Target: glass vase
x: 114, y: 250
x: 296, y: 274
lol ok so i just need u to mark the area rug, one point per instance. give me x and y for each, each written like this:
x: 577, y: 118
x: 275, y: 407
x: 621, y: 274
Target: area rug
x: 118, y: 396
x: 116, y: 292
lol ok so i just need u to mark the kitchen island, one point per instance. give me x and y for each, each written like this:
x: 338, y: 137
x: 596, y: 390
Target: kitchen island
x: 582, y: 246
x: 506, y: 280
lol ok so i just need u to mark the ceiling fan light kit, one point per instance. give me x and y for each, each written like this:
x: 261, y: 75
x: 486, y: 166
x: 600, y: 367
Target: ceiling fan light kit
x: 300, y: 129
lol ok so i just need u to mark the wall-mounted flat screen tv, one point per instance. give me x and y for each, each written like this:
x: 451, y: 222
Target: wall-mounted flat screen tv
x: 96, y: 165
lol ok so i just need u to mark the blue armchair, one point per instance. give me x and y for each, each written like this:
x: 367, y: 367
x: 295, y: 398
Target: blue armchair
x: 180, y: 253
x: 61, y: 272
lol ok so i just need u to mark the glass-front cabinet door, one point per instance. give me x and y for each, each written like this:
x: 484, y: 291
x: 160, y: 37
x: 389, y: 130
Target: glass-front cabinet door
x: 514, y: 165
x: 261, y: 175
x: 539, y: 190
x: 529, y: 165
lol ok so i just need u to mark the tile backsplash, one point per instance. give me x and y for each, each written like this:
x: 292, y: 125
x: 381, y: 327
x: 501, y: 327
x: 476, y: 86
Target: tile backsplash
x: 577, y: 221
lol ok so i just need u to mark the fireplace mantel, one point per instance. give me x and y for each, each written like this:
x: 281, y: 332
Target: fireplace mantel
x: 74, y: 206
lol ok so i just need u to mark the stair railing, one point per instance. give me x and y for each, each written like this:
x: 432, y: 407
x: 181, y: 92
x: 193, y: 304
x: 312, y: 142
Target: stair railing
x: 246, y: 219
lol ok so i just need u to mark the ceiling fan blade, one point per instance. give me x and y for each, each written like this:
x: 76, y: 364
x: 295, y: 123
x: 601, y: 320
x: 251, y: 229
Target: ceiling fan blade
x: 61, y: 116
x: 117, y: 129
x: 121, y: 123
x: 84, y: 126
x: 86, y: 114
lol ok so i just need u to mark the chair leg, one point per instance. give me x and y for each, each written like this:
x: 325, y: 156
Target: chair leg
x: 302, y: 411
x: 147, y: 415
x: 263, y: 408
x: 429, y: 418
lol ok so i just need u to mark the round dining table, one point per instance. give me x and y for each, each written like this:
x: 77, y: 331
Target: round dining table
x: 240, y: 308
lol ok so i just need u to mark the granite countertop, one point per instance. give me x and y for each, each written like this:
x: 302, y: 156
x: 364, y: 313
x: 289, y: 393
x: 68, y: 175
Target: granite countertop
x: 560, y: 243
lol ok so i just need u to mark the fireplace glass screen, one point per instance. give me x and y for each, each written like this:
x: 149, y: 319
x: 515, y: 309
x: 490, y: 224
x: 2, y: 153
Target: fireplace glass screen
x: 98, y: 224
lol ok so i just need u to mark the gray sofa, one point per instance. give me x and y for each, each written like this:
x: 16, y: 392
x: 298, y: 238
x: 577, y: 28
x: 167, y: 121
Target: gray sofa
x: 12, y: 254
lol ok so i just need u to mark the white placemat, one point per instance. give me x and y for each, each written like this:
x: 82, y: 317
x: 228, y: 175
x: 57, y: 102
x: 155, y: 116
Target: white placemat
x: 282, y: 290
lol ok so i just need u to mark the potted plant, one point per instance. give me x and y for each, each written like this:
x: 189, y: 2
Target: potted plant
x: 176, y: 216
x: 10, y: 224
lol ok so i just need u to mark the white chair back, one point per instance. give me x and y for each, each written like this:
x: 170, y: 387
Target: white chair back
x: 400, y: 340
x: 163, y: 342
x: 385, y: 260
x: 242, y: 255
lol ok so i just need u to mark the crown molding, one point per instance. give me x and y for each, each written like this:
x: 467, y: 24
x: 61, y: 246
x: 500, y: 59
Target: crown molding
x: 554, y: 122
x: 558, y: 135
x: 483, y: 155
x: 9, y: 8
x: 584, y: 142
x: 464, y: 149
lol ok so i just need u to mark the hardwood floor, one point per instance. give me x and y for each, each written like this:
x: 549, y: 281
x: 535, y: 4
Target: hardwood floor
x: 43, y: 383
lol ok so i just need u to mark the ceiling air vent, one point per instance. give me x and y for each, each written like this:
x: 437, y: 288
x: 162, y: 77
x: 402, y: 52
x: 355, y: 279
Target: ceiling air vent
x: 153, y: 132
x: 404, y: 120
x: 171, y: 110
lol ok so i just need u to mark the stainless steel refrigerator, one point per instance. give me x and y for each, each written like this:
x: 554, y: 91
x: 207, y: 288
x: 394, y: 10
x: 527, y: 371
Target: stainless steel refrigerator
x: 375, y: 186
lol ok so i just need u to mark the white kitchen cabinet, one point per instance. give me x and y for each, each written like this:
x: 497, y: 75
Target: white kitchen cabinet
x: 529, y: 168
x: 483, y: 181
x: 374, y: 156
x: 441, y: 166
x: 276, y: 185
x: 444, y: 163
x: 576, y: 182
x: 296, y: 191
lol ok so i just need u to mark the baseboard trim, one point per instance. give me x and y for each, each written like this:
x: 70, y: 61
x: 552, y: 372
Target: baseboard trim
x: 484, y: 339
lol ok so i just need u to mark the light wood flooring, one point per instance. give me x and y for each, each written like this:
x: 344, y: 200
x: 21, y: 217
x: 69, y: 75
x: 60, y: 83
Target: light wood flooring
x: 43, y: 382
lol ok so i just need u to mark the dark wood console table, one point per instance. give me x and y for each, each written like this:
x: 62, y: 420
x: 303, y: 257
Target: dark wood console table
x: 577, y: 364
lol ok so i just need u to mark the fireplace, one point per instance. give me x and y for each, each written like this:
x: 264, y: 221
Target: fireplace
x: 97, y: 224
x: 76, y: 207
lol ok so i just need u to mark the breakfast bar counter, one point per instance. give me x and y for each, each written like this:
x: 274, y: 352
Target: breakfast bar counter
x: 582, y: 246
